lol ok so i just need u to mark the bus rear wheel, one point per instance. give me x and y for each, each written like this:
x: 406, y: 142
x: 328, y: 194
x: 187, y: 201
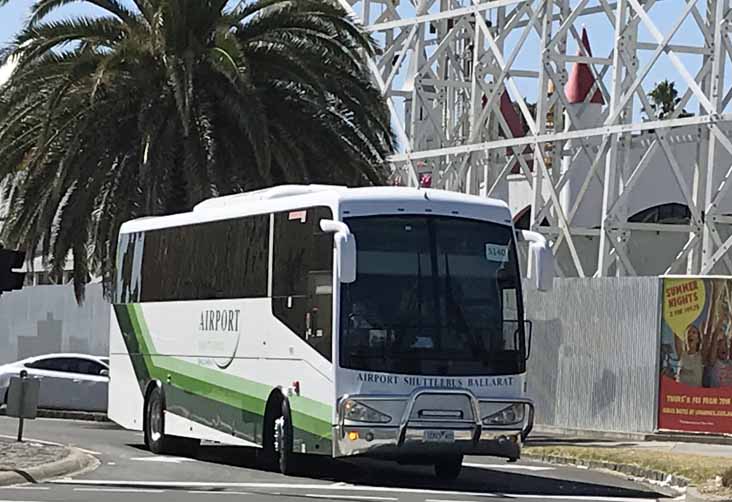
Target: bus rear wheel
x: 156, y: 439
x: 448, y: 468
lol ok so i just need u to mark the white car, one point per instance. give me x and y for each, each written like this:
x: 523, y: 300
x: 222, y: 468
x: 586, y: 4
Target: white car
x: 68, y: 381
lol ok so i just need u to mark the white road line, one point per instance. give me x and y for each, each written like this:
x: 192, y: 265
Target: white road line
x: 19, y: 501
x: 448, y: 500
x: 351, y: 497
x: 340, y: 487
x: 509, y: 467
x: 25, y: 488
x: 209, y: 492
x: 118, y: 490
x: 29, y: 440
x: 90, y: 452
x: 163, y: 459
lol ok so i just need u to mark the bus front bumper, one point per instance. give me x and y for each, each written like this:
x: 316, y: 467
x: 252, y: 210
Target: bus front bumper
x: 385, y: 442
x: 424, y: 439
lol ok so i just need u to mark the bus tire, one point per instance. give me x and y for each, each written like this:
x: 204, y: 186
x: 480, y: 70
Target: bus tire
x: 156, y: 439
x: 267, y: 456
x: 284, y: 435
x: 154, y: 425
x: 448, y: 468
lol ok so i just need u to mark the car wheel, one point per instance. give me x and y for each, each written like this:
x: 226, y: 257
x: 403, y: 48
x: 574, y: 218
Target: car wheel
x: 284, y: 440
x: 449, y: 467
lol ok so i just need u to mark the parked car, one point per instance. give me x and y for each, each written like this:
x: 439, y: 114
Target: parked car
x: 68, y: 381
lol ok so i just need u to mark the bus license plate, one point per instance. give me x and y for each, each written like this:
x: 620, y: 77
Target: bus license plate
x: 436, y: 436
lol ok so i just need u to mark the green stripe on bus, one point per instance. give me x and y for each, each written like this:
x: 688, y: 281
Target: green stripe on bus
x: 309, y: 415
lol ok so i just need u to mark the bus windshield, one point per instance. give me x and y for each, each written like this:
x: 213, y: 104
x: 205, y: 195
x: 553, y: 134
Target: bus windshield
x: 434, y: 295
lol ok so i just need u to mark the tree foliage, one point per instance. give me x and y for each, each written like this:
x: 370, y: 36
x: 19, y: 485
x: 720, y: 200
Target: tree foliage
x: 664, y: 98
x: 155, y: 105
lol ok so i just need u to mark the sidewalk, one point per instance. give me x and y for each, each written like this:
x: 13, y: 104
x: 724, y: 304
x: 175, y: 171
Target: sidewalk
x: 706, y: 469
x: 30, y: 462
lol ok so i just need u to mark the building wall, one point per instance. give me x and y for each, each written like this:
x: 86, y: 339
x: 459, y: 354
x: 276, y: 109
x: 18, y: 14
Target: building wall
x: 45, y: 319
x: 594, y: 353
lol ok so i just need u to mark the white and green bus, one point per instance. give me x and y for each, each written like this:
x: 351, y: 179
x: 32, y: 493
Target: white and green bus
x: 383, y: 322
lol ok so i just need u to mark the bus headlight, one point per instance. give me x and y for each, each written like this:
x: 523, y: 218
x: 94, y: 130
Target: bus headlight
x: 510, y: 415
x: 359, y: 412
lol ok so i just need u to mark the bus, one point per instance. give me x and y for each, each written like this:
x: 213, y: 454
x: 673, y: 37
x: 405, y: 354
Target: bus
x: 383, y: 322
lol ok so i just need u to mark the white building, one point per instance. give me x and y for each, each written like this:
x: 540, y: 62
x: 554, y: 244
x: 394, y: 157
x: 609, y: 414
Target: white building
x: 656, y: 196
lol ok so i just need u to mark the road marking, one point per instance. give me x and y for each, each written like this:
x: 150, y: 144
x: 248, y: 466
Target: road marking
x: 27, y: 440
x: 118, y: 490
x: 510, y: 467
x: 448, y: 500
x: 351, y: 497
x: 90, y: 452
x: 19, y: 501
x: 340, y: 487
x: 25, y: 488
x: 163, y: 459
x: 209, y: 492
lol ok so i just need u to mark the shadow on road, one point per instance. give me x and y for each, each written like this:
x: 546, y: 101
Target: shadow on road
x: 390, y: 474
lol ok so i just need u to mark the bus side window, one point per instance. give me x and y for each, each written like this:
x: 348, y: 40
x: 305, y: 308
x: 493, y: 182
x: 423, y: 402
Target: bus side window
x: 302, y: 276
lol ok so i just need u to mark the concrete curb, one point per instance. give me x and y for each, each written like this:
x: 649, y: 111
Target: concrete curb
x: 668, y: 484
x: 76, y: 461
x: 547, y: 430
x: 89, y: 416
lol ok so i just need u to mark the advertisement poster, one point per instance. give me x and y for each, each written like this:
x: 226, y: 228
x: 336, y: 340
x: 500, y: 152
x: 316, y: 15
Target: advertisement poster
x: 696, y: 360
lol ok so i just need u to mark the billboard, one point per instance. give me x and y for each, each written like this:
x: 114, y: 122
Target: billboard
x: 695, y: 393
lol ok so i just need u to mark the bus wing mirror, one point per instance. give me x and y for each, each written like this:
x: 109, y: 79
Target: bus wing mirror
x: 345, y: 243
x: 541, y: 261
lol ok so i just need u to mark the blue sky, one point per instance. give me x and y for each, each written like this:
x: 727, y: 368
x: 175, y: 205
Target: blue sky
x: 12, y: 16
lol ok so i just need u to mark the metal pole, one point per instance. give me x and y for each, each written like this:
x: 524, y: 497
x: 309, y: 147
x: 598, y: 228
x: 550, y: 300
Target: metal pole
x: 23, y: 376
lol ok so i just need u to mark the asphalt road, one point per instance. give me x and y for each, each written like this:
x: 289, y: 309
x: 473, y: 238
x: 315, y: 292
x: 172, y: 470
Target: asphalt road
x: 129, y: 473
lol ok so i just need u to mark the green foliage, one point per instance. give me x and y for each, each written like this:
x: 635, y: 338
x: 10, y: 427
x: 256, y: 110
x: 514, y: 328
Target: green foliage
x: 664, y: 98
x: 155, y: 105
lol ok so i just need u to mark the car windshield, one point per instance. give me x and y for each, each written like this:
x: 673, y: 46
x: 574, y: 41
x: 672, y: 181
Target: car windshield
x: 433, y: 296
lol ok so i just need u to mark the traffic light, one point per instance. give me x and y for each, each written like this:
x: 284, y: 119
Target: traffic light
x: 9, y: 279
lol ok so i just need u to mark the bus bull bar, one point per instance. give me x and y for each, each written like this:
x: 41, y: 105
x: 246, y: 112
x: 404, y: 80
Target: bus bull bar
x: 407, y: 438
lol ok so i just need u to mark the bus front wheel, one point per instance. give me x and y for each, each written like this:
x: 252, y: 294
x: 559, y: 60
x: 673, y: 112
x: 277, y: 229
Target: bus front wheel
x: 448, y: 468
x: 156, y: 439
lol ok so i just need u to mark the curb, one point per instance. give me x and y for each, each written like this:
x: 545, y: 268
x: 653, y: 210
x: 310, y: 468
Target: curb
x: 564, y: 432
x: 89, y: 416
x: 669, y: 484
x: 74, y: 415
x: 76, y: 461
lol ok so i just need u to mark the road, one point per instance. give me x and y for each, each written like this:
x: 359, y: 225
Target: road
x: 129, y: 473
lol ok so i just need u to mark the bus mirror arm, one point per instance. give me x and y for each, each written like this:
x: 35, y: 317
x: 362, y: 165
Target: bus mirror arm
x: 345, y: 243
x: 541, y: 260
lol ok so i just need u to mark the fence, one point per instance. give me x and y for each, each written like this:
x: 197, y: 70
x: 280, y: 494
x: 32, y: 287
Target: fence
x: 594, y: 362
x: 46, y: 319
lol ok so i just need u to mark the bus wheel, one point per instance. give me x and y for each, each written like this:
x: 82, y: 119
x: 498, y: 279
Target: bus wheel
x: 448, y: 468
x: 155, y: 438
x: 284, y: 440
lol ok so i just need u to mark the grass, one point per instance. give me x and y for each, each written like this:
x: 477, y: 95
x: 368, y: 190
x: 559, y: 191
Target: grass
x: 698, y: 469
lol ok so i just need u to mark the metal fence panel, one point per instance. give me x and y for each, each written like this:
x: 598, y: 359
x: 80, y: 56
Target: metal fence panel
x: 594, y: 357
x: 45, y: 319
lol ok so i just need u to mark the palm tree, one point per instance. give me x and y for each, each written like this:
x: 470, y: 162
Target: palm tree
x: 155, y: 105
